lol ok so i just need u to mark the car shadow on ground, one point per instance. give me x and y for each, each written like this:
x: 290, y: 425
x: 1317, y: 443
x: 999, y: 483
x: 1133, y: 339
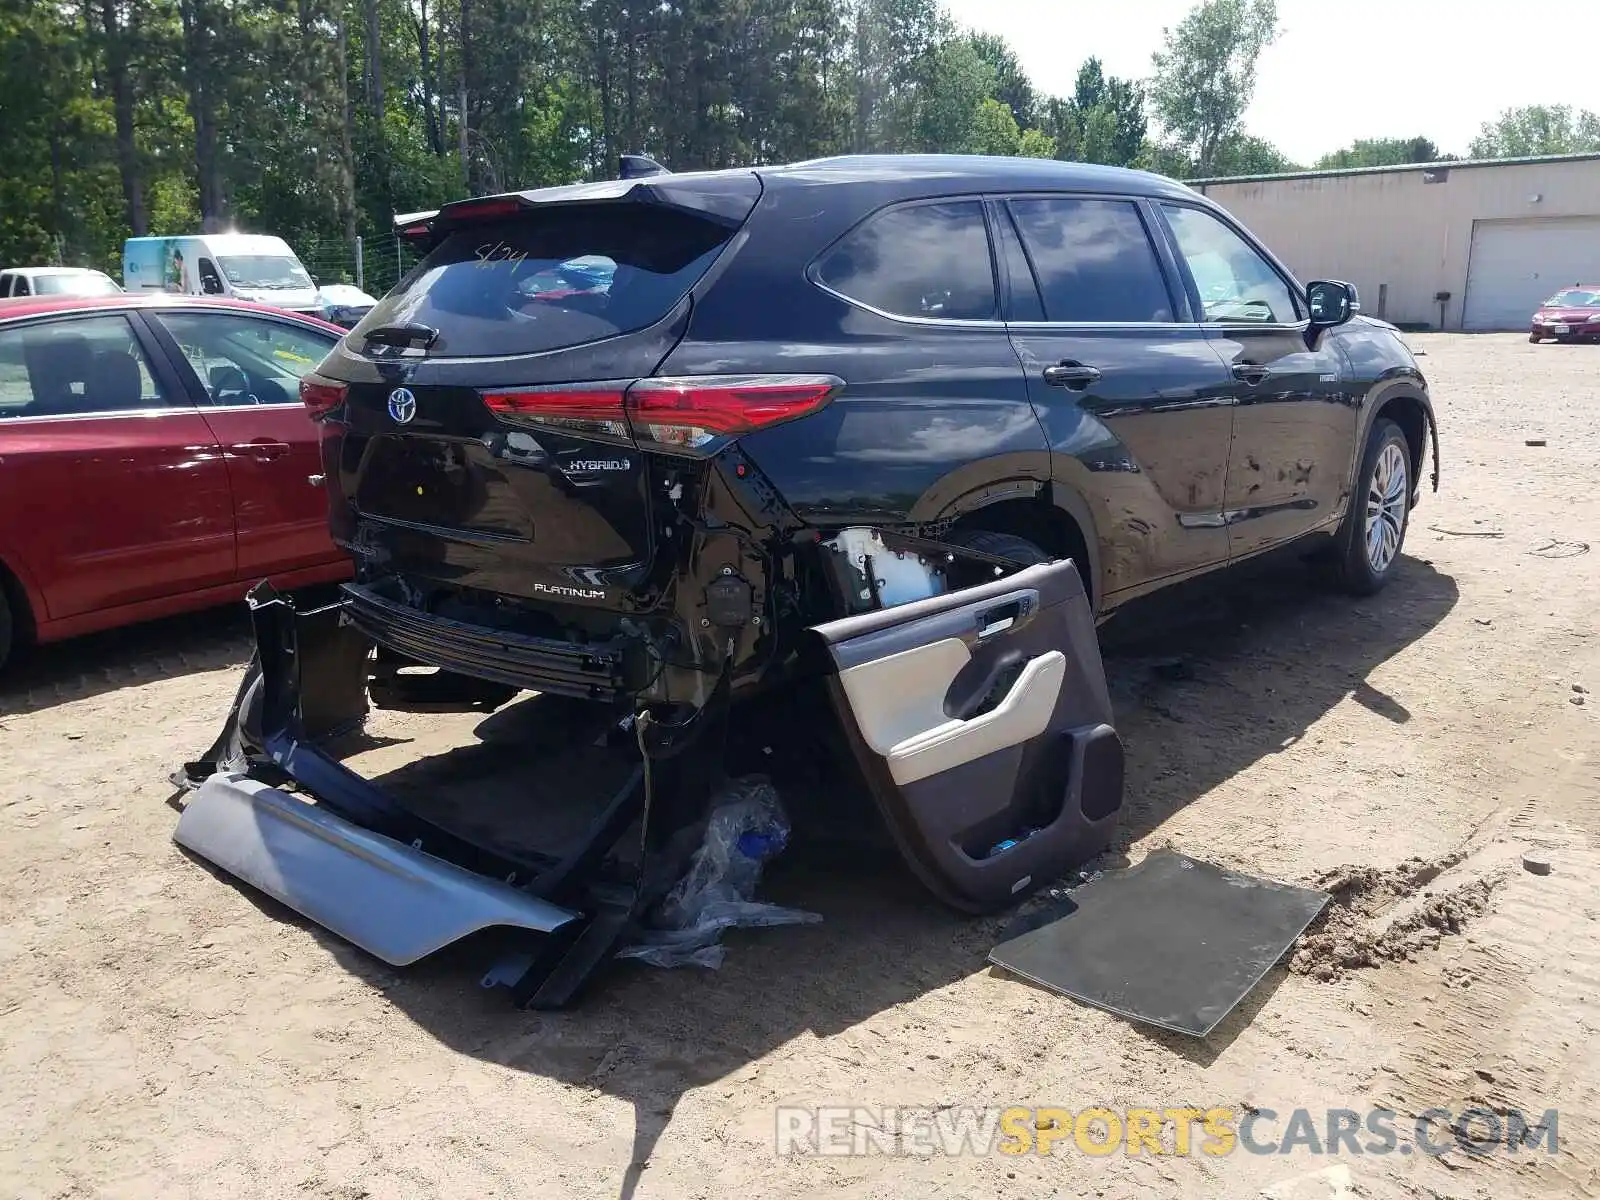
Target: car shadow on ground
x: 78, y: 669
x: 45, y: 676
x: 1263, y: 653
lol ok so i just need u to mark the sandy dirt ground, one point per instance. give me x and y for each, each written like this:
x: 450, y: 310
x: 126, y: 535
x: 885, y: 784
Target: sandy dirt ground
x: 164, y: 1033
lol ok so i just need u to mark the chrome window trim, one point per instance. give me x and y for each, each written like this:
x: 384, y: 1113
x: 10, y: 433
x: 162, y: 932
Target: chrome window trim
x: 211, y: 408
x: 813, y: 269
x: 169, y: 410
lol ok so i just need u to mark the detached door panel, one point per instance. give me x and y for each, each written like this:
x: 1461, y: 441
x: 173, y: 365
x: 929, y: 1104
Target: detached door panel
x: 981, y: 721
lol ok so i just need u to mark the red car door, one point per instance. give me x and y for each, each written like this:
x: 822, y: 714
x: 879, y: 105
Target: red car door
x: 113, y: 488
x: 248, y: 366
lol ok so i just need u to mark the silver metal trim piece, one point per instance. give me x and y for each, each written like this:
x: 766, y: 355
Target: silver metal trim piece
x: 184, y: 410
x: 390, y: 899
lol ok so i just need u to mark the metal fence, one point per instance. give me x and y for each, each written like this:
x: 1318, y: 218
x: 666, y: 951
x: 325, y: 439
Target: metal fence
x: 373, y: 262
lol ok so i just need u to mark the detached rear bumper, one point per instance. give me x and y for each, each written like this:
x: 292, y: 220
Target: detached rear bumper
x: 357, y: 862
x: 392, y: 900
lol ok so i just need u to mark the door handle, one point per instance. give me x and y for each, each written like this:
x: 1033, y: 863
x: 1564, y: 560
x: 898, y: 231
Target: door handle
x: 1069, y: 374
x: 1002, y: 617
x: 1251, y: 373
x: 262, y: 450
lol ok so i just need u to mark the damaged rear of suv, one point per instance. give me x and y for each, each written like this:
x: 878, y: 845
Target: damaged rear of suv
x: 662, y: 445
x: 625, y: 443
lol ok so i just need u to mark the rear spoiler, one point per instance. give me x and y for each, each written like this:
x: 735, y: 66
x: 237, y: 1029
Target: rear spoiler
x: 420, y: 229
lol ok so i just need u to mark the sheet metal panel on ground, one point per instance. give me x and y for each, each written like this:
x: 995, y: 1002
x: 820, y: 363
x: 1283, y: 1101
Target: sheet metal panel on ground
x: 1172, y: 942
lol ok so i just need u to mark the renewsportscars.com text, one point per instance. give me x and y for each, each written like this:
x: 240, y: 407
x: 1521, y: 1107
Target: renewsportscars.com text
x: 856, y: 1130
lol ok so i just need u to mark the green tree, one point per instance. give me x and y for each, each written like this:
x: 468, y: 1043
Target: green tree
x: 994, y: 129
x: 957, y: 83
x: 1103, y: 121
x: 1035, y: 143
x: 1012, y: 86
x: 318, y: 119
x: 1205, y: 74
x: 1242, y: 154
x: 1538, y: 129
x: 1381, y: 152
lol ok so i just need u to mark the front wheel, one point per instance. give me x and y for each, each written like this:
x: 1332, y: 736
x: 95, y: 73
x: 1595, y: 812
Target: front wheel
x: 1374, y: 528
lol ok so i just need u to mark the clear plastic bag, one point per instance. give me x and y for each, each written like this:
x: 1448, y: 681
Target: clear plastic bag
x: 746, y: 828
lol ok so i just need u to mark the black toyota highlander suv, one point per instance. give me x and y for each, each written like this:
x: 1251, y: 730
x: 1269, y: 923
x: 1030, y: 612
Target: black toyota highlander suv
x: 917, y: 420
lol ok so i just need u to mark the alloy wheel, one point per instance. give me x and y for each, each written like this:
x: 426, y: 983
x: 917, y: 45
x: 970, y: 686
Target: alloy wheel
x: 1386, y: 508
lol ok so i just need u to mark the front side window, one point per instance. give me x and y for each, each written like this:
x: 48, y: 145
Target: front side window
x: 210, y: 281
x: 1093, y: 260
x: 1235, y: 283
x: 75, y: 368
x: 928, y: 260
x: 22, y: 288
x: 246, y: 360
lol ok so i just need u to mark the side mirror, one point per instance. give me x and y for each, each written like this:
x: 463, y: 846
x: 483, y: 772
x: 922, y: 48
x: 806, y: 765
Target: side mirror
x: 1331, y: 302
x: 316, y: 281
x: 210, y: 285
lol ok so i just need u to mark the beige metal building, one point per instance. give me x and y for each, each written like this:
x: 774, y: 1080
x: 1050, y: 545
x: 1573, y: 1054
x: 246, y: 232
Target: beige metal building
x: 1496, y: 236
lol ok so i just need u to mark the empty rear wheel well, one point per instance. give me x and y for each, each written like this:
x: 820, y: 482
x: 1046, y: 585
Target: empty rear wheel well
x: 1408, y: 413
x: 1041, y: 523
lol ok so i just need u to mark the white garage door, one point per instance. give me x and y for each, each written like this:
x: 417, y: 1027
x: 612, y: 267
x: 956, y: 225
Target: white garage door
x: 1516, y: 265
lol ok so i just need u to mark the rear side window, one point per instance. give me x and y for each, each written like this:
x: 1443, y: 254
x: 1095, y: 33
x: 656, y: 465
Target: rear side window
x: 75, y: 368
x: 929, y: 260
x: 553, y: 278
x: 1093, y: 260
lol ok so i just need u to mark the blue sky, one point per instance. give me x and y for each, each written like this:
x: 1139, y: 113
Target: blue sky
x: 1409, y: 67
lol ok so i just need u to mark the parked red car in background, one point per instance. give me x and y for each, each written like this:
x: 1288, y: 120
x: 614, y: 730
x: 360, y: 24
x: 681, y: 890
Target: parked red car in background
x: 1571, y: 315
x: 154, y: 459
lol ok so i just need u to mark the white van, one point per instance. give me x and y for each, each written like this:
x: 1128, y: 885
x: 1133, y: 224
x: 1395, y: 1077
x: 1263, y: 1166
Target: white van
x: 247, y: 266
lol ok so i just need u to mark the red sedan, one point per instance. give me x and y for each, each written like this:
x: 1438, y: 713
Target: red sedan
x: 154, y: 459
x: 1571, y: 315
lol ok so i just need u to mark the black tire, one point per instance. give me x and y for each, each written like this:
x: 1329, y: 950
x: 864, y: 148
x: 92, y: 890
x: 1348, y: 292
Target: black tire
x: 1001, y: 545
x: 1356, y: 568
x: 7, y: 628
x: 1535, y: 338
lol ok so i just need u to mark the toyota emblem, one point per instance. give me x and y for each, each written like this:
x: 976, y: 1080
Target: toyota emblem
x: 402, y: 406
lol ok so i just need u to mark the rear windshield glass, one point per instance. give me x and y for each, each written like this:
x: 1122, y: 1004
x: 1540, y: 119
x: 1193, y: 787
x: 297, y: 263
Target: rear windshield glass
x: 553, y: 278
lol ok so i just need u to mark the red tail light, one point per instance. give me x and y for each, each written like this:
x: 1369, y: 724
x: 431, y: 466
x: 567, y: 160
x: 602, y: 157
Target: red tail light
x: 695, y: 414
x: 481, y: 210
x: 321, y: 396
x: 585, y: 411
